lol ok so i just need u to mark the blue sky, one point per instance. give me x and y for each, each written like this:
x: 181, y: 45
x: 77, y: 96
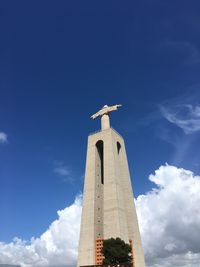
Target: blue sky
x: 62, y: 61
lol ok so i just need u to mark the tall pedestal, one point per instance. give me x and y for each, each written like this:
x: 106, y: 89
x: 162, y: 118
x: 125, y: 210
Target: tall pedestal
x: 108, y: 203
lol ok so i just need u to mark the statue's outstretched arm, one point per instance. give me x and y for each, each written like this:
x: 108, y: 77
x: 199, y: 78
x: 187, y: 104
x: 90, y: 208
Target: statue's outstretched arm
x: 115, y: 107
x: 94, y: 116
x: 105, y: 110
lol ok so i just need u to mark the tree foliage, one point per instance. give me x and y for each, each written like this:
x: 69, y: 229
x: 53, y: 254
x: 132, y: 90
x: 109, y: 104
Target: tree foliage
x: 116, y: 251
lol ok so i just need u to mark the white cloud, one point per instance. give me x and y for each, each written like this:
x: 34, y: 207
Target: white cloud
x: 57, y: 246
x: 186, y: 117
x: 62, y: 170
x: 169, y: 218
x: 3, y: 138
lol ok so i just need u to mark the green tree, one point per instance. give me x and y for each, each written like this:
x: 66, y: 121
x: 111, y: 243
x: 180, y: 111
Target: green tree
x: 116, y: 251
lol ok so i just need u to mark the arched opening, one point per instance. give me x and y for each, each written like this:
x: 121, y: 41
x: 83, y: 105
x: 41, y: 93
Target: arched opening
x: 99, y: 146
x: 118, y: 147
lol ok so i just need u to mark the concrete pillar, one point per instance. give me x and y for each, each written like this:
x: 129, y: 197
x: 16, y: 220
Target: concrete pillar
x: 108, y: 202
x: 105, y: 122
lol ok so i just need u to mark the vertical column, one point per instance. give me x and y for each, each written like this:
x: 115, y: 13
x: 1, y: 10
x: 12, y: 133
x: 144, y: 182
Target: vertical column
x: 98, y: 248
x: 115, y: 224
x: 99, y: 182
x: 105, y: 122
x: 132, y: 221
x: 86, y: 253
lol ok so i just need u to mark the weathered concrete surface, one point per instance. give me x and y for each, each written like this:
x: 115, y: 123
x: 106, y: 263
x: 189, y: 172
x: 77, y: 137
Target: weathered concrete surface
x: 108, y: 202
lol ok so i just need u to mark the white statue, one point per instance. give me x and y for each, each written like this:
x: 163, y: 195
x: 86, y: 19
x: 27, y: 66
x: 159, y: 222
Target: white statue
x: 104, y: 114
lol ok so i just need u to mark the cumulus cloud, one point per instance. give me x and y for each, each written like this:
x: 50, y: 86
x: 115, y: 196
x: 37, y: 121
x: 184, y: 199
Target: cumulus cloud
x: 185, y: 117
x: 57, y: 246
x: 169, y: 218
x: 3, y: 138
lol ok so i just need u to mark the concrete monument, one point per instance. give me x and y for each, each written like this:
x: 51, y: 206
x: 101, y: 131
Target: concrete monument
x: 108, y: 202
